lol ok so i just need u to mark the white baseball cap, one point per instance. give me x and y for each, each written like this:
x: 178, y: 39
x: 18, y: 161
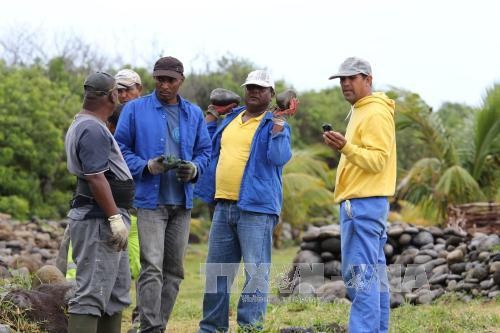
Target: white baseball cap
x: 127, y: 78
x: 259, y: 77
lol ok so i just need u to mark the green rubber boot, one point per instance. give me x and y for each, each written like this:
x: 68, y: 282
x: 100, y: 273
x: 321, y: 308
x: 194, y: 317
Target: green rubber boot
x: 79, y: 323
x: 110, y: 324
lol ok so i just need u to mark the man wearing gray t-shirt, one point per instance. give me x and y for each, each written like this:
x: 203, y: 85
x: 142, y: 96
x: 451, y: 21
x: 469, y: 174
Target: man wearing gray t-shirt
x: 99, y: 221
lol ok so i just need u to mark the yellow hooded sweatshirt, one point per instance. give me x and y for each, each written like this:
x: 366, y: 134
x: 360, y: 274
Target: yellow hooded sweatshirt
x: 367, y: 167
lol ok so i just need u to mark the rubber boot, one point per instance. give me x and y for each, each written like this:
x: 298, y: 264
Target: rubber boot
x: 110, y: 324
x: 79, y: 323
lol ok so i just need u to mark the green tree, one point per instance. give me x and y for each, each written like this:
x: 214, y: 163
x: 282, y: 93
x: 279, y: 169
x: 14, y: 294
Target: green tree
x: 445, y: 177
x: 34, y: 113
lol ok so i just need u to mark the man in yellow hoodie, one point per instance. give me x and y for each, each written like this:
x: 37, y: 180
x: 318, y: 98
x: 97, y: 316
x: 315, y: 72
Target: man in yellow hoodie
x: 366, y: 177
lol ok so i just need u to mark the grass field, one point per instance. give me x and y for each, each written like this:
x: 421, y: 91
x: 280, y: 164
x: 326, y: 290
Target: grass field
x: 447, y: 315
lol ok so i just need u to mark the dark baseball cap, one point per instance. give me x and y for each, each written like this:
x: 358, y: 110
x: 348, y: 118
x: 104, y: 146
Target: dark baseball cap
x: 169, y: 66
x: 99, y: 82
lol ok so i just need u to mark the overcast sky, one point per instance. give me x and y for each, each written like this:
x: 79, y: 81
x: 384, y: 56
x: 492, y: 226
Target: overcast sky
x: 443, y: 50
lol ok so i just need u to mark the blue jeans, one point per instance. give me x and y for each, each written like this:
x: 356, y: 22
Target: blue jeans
x: 163, y: 239
x: 363, y: 236
x: 237, y: 234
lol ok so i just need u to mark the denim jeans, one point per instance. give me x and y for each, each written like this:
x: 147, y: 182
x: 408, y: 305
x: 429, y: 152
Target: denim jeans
x: 163, y: 238
x: 363, y: 236
x: 234, y: 235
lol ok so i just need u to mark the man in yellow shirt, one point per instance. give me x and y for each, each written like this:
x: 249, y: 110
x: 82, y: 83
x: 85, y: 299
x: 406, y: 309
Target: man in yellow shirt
x: 249, y: 149
x: 366, y: 177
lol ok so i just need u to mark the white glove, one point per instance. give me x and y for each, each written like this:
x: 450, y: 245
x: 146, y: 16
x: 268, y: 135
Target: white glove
x: 119, y: 231
x: 156, y: 165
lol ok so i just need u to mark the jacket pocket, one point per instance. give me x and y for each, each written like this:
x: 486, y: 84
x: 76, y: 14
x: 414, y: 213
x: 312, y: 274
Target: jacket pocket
x: 259, y: 190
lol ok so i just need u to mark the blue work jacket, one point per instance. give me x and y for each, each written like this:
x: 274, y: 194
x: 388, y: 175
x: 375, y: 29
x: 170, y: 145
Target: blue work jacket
x: 261, y: 187
x: 141, y: 133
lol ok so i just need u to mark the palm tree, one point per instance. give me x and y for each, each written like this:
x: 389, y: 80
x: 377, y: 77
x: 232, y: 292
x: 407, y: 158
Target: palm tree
x: 308, y: 185
x: 456, y: 172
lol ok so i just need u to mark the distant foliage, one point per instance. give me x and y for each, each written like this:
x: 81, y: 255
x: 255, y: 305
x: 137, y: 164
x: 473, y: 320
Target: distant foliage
x: 40, y: 94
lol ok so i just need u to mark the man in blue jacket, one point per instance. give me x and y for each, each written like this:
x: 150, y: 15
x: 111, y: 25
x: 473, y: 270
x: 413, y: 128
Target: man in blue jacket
x: 149, y: 129
x: 249, y: 149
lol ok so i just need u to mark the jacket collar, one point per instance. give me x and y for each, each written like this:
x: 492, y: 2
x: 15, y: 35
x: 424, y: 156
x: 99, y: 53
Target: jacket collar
x: 158, y: 105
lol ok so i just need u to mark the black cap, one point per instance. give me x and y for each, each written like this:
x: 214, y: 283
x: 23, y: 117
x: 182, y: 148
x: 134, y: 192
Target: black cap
x: 169, y: 66
x: 99, y: 82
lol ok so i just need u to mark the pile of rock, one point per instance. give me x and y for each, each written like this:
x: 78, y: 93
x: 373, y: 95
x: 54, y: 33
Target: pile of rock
x: 26, y: 247
x: 423, y: 263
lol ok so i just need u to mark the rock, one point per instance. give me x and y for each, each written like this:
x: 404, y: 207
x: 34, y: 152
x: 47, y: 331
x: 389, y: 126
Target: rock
x: 333, y: 268
x: 307, y: 257
x: 455, y: 232
x: 4, y: 273
x: 312, y: 246
x: 411, y: 230
x: 223, y: 97
x: 331, y: 245
x: 427, y: 246
x: 423, y: 238
x: 480, y: 273
x: 428, y: 297
x: 488, y: 243
x: 429, y: 252
x: 487, y: 284
x: 442, y: 269
x: 327, y: 256
x: 397, y: 299
x: 388, y: 250
x: 334, y: 288
x: 304, y: 290
x: 483, y: 256
x: 429, y: 266
x: 283, y: 99
x: 454, y: 241
x: 455, y: 256
x: 395, y: 232
x: 331, y: 230
x: 458, y: 268
x: 30, y: 262
x: 496, y: 274
x: 48, y: 275
x: 438, y: 279
x: 421, y: 259
x: 311, y: 234
x: 455, y: 277
x: 404, y: 239
x: 436, y: 232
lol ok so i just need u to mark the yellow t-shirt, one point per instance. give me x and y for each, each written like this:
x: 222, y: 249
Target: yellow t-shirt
x: 234, y: 152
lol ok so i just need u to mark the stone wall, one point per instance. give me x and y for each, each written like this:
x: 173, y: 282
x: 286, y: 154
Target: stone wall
x: 423, y: 263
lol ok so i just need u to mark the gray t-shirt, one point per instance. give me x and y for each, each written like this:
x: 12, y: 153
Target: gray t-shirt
x: 171, y: 190
x: 92, y: 149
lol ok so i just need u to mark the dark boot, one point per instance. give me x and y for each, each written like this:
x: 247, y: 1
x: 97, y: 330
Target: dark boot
x: 78, y: 323
x: 110, y: 324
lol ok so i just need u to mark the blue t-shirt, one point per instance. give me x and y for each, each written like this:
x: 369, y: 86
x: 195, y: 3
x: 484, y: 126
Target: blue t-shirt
x: 171, y: 190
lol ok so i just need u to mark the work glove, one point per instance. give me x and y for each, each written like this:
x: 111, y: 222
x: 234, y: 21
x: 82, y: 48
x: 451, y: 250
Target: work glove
x: 186, y: 171
x: 217, y: 110
x: 119, y: 232
x: 156, y: 165
x: 280, y: 116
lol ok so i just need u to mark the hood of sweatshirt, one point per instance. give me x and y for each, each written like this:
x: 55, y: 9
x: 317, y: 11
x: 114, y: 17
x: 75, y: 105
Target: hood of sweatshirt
x: 377, y: 97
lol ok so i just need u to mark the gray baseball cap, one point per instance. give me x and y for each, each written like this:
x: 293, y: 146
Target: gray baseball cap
x: 352, y: 66
x: 101, y: 83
